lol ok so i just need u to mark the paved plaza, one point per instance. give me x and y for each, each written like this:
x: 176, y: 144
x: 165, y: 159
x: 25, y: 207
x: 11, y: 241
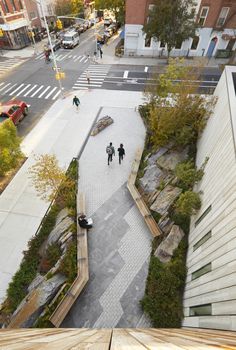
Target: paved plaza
x: 120, y: 242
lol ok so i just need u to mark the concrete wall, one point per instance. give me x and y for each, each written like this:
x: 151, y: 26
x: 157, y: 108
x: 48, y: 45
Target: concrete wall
x: 218, y: 185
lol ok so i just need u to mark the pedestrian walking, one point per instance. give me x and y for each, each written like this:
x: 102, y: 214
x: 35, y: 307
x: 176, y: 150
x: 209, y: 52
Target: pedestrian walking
x: 121, y: 152
x: 101, y: 52
x: 95, y: 57
x: 110, y: 150
x: 76, y: 102
x: 88, y: 76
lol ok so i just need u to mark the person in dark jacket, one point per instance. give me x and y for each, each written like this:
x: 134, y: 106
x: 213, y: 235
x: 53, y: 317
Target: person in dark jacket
x: 84, y: 222
x: 76, y: 102
x: 121, y: 152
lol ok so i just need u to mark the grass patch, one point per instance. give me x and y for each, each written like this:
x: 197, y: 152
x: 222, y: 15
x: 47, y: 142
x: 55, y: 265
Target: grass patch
x: 164, y: 289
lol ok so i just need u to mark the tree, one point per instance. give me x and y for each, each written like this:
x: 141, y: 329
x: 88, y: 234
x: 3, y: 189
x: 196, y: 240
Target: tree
x: 48, y: 178
x: 171, y: 22
x: 68, y: 7
x: 177, y: 115
x: 10, y: 152
x: 116, y: 6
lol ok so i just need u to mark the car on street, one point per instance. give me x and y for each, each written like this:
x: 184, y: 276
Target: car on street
x: 70, y: 40
x: 79, y: 28
x: 56, y: 44
x: 107, y: 21
x: 15, y: 110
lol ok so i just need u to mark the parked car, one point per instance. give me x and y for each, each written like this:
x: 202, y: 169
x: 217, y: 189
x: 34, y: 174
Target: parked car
x: 79, y: 28
x: 107, y: 21
x: 108, y: 32
x: 70, y: 40
x: 56, y: 44
x: 113, y: 27
x: 15, y: 110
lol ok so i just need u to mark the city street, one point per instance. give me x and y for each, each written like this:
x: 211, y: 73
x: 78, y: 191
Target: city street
x: 34, y: 80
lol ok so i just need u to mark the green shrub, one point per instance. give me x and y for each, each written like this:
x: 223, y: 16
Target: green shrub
x: 188, y: 174
x: 53, y: 253
x: 68, y: 265
x: 164, y: 289
x: 156, y: 216
x: 188, y: 203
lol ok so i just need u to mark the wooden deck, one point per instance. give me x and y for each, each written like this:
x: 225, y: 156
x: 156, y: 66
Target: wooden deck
x: 117, y: 339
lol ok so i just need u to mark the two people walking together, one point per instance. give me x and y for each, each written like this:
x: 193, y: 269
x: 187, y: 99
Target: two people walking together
x: 110, y: 150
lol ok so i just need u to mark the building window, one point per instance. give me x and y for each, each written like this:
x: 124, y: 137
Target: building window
x: 162, y: 45
x: 148, y: 39
x: 6, y: 7
x: 178, y: 45
x: 222, y: 17
x: 203, y: 215
x: 200, y: 310
x: 32, y: 15
x: 195, y: 43
x: 202, y: 240
x: 203, y: 15
x: 13, y: 5
x: 202, y: 271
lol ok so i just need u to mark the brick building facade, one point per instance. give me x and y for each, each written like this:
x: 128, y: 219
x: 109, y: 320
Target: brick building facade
x: 16, y: 18
x: 215, y: 36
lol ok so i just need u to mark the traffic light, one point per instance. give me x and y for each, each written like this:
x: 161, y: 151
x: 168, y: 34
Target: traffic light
x: 1, y: 33
x: 59, y: 24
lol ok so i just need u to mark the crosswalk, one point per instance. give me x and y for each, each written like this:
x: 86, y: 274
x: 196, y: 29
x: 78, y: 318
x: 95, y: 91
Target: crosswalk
x: 64, y: 56
x: 8, y: 64
x: 29, y: 90
x: 97, y: 75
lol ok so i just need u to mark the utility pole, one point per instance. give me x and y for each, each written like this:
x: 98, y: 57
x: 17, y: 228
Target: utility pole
x: 52, y: 52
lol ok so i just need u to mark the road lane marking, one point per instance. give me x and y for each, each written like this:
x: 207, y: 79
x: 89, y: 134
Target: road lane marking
x: 40, y: 88
x: 13, y: 92
x: 146, y: 69
x: 126, y: 72
x: 58, y: 92
x: 9, y: 88
x: 27, y: 93
x: 44, y: 92
x: 50, y: 93
x: 77, y: 58
x: 2, y: 84
x: 26, y: 87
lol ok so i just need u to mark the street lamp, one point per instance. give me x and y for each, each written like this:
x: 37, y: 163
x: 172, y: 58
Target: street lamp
x: 51, y: 47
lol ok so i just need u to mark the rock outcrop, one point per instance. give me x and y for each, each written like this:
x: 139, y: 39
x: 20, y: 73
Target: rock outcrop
x: 169, y: 160
x: 101, y: 124
x: 165, y: 198
x: 167, y: 247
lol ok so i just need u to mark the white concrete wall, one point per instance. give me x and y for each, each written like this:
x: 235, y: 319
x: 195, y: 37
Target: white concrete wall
x: 218, y: 185
x: 134, y: 43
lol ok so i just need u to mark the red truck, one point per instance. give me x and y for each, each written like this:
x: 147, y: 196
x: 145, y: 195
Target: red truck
x: 16, y: 110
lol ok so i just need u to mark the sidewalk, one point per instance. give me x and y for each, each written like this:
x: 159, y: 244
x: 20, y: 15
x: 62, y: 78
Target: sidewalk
x: 120, y: 242
x: 110, y: 58
x: 26, y: 52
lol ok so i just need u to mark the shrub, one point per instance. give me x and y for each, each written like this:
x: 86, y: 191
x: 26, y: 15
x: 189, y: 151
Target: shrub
x: 69, y: 263
x: 188, y: 203
x: 188, y: 174
x: 164, y: 288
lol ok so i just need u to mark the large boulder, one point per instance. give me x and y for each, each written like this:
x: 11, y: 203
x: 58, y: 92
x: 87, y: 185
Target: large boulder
x: 165, y: 224
x: 165, y: 198
x: 31, y: 307
x: 169, y: 160
x: 153, y: 158
x: 59, y: 229
x: 152, y: 178
x: 167, y: 247
x: 62, y: 215
x: 101, y: 124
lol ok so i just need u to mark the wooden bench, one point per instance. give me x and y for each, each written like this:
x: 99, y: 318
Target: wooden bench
x: 83, y: 271
x: 144, y: 210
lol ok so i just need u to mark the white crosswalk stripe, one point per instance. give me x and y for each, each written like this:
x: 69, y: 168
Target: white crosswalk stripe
x: 9, y: 64
x: 63, y: 56
x: 97, y: 74
x: 29, y: 90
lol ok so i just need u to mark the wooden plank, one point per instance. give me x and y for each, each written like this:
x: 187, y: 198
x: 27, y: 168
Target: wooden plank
x: 122, y: 340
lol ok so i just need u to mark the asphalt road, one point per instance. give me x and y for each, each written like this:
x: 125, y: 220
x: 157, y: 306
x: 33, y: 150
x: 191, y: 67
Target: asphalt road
x: 34, y: 80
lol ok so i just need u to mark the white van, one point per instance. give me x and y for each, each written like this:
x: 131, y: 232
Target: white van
x: 70, y: 40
